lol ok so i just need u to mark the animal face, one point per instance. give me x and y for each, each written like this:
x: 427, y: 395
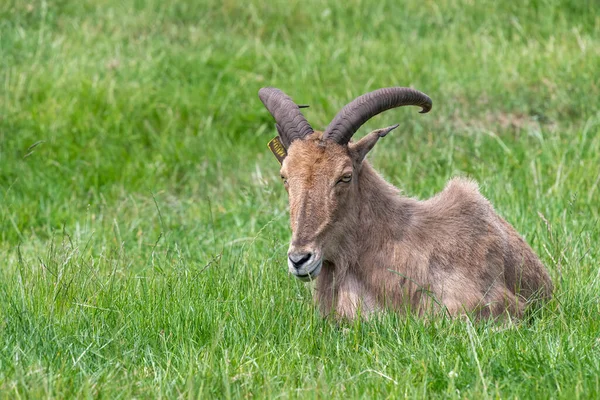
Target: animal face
x: 320, y: 178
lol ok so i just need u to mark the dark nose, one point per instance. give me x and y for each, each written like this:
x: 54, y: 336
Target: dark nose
x: 299, y: 259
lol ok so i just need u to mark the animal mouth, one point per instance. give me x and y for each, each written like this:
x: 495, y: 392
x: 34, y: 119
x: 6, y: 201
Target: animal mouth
x: 312, y: 275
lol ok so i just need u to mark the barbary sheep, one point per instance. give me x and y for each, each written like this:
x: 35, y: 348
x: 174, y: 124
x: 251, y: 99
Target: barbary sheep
x: 369, y: 248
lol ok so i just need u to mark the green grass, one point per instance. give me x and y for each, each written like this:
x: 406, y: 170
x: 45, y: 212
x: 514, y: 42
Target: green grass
x: 143, y: 227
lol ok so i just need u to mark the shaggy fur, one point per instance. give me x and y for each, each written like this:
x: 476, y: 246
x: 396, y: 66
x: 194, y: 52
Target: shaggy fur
x: 381, y: 250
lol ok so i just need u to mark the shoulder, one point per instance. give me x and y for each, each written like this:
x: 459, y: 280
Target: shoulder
x: 461, y: 197
x: 461, y: 188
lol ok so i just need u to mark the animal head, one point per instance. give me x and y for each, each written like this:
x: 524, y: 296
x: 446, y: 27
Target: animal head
x: 320, y: 170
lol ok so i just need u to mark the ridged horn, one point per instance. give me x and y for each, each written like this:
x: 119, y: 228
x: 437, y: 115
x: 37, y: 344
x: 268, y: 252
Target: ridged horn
x: 364, y: 107
x: 290, y: 122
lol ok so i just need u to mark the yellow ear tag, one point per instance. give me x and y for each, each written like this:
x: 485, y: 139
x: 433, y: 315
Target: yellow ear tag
x: 277, y: 149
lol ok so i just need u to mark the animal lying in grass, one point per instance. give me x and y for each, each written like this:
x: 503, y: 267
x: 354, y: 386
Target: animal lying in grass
x: 369, y: 248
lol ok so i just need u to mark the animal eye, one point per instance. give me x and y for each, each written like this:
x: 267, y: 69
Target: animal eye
x: 346, y: 178
x: 284, y: 179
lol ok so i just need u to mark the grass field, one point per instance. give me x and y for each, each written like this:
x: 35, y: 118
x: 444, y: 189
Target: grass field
x: 143, y: 226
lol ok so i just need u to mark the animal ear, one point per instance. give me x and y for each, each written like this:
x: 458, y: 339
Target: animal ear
x: 364, y: 145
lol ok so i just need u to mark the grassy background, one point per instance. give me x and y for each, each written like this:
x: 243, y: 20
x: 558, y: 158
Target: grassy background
x: 143, y: 227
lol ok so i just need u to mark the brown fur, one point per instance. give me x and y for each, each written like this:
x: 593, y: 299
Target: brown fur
x: 452, y: 252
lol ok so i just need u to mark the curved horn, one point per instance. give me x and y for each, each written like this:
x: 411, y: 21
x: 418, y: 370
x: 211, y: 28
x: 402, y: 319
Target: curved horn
x: 290, y: 122
x: 363, y: 108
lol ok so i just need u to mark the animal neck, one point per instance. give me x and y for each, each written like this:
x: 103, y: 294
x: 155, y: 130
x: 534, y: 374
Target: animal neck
x: 380, y: 215
x: 381, y: 207
x: 379, y: 212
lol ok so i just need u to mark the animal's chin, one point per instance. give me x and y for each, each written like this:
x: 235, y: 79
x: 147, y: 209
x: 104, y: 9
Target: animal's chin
x: 312, y: 275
